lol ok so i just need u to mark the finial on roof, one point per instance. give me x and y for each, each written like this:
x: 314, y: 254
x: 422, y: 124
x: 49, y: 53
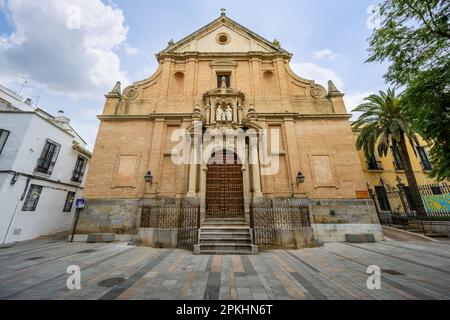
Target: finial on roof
x: 223, y: 12
x: 170, y: 43
x: 333, y: 91
x: 115, y: 92
x: 276, y: 43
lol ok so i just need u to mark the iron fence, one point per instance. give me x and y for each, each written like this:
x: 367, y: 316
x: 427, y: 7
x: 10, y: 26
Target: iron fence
x: 173, y: 213
x: 188, y: 223
x: 434, y: 197
x: 269, y: 215
x: 401, y: 211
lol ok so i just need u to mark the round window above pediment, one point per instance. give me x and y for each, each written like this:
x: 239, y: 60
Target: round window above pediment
x: 223, y: 38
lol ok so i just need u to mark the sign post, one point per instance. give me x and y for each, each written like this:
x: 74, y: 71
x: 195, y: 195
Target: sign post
x: 79, y: 205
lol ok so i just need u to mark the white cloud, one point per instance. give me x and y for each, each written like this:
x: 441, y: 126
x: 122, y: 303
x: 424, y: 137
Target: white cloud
x: 129, y: 49
x: 324, y: 53
x: 352, y: 100
x: 318, y: 74
x: 66, y: 51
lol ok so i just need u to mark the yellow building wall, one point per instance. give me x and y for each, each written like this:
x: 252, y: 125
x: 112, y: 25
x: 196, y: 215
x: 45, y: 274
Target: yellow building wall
x: 389, y: 174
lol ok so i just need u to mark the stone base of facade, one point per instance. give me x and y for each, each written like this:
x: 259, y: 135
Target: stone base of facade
x: 331, y: 220
x: 158, y: 238
x: 109, y: 216
x: 332, y: 232
x: 293, y: 239
x: 117, y: 237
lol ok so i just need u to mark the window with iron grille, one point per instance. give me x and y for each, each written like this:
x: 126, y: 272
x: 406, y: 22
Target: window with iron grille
x: 32, y: 198
x: 49, y: 154
x: 3, y: 137
x: 397, y: 158
x: 145, y: 218
x: 69, y: 201
x: 423, y: 158
x: 78, y: 172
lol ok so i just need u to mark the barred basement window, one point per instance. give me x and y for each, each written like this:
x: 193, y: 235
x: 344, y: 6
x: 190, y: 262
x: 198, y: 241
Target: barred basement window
x: 69, y: 201
x: 3, y: 137
x: 47, y: 161
x: 78, y: 172
x: 32, y: 198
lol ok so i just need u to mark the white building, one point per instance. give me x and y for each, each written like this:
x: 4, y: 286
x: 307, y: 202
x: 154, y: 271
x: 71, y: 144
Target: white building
x: 43, y: 164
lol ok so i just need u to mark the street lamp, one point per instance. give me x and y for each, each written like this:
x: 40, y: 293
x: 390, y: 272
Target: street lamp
x: 148, y: 177
x: 300, y: 178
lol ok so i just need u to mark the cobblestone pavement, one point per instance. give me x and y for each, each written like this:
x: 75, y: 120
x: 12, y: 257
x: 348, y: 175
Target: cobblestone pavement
x: 409, y: 270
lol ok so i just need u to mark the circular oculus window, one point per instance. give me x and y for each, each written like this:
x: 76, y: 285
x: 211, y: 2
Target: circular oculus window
x: 223, y: 38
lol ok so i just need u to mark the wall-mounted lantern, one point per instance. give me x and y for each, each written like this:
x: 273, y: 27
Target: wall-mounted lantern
x: 300, y: 178
x: 148, y: 177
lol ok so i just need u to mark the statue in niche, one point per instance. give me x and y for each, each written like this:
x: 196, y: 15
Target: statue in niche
x: 229, y: 113
x: 224, y: 83
x: 220, y: 115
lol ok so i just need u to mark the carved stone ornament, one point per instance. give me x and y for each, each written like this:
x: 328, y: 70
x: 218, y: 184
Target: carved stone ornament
x: 130, y: 92
x: 318, y: 92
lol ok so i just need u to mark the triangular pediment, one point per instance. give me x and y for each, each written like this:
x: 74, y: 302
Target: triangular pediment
x: 221, y: 36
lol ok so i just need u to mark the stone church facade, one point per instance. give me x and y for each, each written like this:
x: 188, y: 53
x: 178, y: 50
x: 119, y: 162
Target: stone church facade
x: 225, y: 81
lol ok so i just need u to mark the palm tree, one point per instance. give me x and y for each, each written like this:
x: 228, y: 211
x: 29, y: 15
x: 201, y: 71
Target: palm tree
x: 383, y: 124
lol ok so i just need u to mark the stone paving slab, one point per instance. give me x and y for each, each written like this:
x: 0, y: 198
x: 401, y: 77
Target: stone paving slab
x: 409, y: 270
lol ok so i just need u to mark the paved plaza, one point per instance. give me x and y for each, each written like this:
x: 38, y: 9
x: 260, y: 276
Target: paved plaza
x: 409, y: 270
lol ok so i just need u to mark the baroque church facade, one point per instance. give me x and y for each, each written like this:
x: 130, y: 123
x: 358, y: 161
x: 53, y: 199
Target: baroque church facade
x: 224, y: 90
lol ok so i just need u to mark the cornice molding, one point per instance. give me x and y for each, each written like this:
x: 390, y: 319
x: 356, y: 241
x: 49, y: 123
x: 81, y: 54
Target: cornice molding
x: 186, y: 116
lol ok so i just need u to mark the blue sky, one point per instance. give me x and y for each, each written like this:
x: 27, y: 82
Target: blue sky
x: 71, y: 64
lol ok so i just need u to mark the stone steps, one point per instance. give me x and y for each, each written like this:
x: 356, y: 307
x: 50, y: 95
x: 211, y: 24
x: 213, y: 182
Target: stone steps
x: 236, y: 248
x: 225, y: 235
x: 225, y: 240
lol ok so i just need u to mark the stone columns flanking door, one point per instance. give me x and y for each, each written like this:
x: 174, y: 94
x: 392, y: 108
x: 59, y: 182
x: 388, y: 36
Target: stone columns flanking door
x: 246, y: 184
x: 192, y: 174
x: 256, y: 173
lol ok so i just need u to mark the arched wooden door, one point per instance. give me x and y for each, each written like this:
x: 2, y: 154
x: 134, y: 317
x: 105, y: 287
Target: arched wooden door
x: 224, y: 186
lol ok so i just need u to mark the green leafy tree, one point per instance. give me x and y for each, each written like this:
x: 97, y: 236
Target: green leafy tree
x: 414, y: 38
x: 383, y: 124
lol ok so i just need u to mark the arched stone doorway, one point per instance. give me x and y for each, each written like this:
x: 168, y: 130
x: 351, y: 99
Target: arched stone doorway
x: 224, y: 185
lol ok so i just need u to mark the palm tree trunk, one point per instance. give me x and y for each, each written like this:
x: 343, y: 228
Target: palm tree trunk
x: 411, y: 178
